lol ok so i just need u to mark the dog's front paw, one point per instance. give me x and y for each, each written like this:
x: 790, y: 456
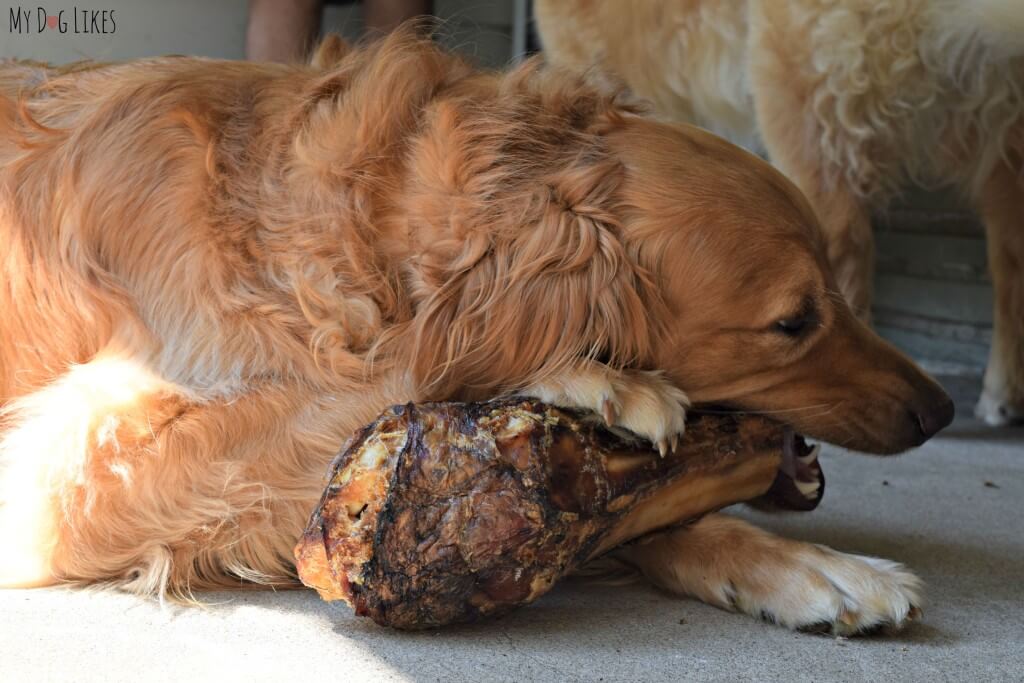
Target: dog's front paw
x: 826, y: 590
x: 734, y: 565
x: 643, y: 403
x: 647, y: 405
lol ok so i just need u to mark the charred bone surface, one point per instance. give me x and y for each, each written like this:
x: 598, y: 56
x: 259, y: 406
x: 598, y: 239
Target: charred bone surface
x: 447, y: 512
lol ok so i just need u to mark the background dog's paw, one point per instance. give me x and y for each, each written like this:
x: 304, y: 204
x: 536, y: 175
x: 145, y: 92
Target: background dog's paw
x: 998, y: 411
x: 832, y: 592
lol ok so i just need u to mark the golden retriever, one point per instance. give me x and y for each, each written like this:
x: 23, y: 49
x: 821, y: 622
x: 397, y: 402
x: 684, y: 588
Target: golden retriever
x: 850, y: 99
x: 215, y: 271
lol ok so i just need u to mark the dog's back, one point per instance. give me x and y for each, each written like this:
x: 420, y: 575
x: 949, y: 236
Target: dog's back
x: 110, y: 176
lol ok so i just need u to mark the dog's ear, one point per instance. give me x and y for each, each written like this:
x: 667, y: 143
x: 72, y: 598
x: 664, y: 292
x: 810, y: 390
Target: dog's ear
x: 509, y: 297
x: 347, y: 133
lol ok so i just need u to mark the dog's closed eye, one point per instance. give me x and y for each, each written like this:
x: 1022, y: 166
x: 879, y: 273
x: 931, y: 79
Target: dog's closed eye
x: 792, y: 327
x: 800, y: 322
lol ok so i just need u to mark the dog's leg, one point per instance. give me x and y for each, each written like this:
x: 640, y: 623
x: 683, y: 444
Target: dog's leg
x: 45, y: 446
x: 792, y: 133
x: 845, y: 223
x: 111, y: 473
x: 1002, y: 209
x: 733, y: 565
x: 645, y: 403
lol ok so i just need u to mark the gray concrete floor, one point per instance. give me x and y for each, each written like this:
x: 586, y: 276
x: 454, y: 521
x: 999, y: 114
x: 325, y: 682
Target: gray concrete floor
x: 951, y: 511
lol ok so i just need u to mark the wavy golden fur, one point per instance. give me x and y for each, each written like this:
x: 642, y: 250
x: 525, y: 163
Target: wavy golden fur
x: 275, y: 218
x: 214, y: 272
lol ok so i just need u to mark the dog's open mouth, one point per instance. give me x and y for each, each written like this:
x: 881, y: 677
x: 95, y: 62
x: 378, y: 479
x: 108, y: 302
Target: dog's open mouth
x: 800, y: 483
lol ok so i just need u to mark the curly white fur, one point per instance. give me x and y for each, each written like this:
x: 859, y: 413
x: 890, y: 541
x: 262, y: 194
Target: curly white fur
x: 917, y: 78
x: 922, y: 90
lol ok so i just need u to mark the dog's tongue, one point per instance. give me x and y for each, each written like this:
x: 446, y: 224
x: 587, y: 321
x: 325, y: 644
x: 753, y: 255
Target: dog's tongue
x: 800, y: 483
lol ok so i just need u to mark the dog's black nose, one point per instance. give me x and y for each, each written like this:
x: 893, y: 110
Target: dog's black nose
x: 936, y: 418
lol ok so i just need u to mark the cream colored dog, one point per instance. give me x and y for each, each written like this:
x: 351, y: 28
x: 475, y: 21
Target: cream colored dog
x: 851, y: 99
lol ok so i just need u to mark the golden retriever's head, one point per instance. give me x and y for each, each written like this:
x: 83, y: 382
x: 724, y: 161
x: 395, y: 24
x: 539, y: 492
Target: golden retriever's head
x: 548, y: 223
x: 754, y: 317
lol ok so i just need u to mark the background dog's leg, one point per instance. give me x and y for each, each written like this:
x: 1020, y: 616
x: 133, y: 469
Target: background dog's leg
x: 1002, y: 209
x: 643, y: 402
x: 846, y: 224
x: 736, y: 566
x: 111, y: 473
x: 845, y: 220
x: 792, y: 134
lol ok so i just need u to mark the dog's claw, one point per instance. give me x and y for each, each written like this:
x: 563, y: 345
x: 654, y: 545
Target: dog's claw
x: 674, y: 444
x: 608, y: 412
x: 848, y: 622
x: 663, y: 447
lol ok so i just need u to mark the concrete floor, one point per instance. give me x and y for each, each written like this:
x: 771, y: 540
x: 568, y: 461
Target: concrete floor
x: 951, y: 511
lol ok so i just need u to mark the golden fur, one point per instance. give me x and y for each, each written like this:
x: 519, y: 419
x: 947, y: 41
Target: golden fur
x: 851, y: 99
x: 215, y: 271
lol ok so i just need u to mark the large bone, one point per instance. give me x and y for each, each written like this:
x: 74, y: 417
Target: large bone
x: 439, y: 513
